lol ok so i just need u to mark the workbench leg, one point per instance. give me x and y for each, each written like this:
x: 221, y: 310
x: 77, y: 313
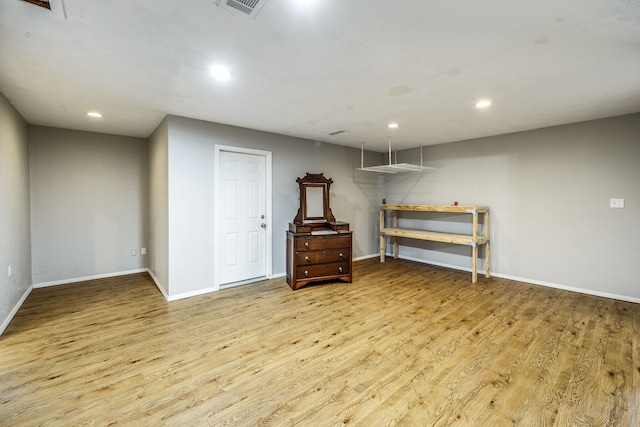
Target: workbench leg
x: 395, y: 238
x: 395, y: 247
x: 487, y: 261
x: 474, y: 264
x: 382, y: 246
x: 487, y: 253
x: 474, y: 251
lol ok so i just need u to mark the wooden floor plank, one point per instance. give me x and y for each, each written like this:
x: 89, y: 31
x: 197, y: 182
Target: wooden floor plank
x: 405, y: 344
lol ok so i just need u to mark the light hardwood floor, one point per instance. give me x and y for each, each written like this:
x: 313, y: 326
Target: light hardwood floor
x: 404, y: 344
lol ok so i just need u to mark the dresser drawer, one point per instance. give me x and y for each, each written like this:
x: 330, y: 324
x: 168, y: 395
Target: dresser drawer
x: 322, y: 270
x: 314, y: 243
x: 318, y: 258
x: 324, y: 256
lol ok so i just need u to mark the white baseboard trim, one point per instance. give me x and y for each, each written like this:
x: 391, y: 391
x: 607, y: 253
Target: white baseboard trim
x: 206, y: 290
x: 190, y: 294
x: 158, y: 285
x: 15, y: 310
x: 529, y: 281
x: 84, y: 279
x: 360, y: 258
x: 222, y: 287
x: 569, y: 288
x: 437, y: 264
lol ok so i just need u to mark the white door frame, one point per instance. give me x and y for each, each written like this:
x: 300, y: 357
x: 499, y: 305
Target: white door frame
x: 218, y: 212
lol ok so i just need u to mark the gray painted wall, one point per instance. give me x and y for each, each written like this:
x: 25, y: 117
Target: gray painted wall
x: 15, y: 234
x: 549, y: 191
x: 191, y: 194
x: 89, y: 204
x: 158, y: 247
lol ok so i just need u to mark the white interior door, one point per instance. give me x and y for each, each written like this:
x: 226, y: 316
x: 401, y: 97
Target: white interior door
x: 242, y: 215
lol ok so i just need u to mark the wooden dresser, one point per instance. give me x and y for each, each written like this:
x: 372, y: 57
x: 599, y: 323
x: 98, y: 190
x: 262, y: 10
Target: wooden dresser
x: 318, y: 257
x: 318, y: 246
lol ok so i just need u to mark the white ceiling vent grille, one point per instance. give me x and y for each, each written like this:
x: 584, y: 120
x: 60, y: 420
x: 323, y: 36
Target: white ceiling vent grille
x: 247, y: 7
x: 44, y: 4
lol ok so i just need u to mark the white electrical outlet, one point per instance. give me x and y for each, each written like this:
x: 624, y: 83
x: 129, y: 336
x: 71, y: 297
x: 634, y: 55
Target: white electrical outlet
x: 143, y: 251
x: 9, y: 271
x: 133, y: 252
x: 616, y: 203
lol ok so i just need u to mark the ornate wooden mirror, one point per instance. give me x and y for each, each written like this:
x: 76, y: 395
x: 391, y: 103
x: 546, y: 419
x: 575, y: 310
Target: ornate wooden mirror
x: 319, y: 248
x: 314, y: 200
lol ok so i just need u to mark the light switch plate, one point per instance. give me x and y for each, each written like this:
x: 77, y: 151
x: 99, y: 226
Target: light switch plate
x: 616, y: 203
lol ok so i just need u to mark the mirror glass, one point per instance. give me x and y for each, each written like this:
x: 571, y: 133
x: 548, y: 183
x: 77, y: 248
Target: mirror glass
x: 315, y: 203
x: 314, y: 200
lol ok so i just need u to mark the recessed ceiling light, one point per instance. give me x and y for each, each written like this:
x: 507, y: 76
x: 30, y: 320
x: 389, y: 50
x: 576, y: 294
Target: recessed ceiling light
x: 94, y: 114
x: 483, y: 104
x: 220, y: 72
x: 393, y: 125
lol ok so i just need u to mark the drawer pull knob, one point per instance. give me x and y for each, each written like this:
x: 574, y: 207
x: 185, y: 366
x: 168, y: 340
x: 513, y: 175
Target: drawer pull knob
x: 341, y: 256
x: 306, y: 273
x: 340, y: 269
x: 306, y: 245
x: 307, y: 259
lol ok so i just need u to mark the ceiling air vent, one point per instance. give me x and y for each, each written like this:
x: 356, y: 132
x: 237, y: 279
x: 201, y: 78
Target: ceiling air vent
x: 44, y: 4
x: 247, y: 7
x: 55, y: 6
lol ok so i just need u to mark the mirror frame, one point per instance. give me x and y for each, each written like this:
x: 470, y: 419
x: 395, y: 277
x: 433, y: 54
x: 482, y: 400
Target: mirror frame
x: 314, y: 180
x: 315, y: 202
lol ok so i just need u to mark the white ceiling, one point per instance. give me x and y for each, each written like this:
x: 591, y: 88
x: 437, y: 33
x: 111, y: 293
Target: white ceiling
x: 310, y: 69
